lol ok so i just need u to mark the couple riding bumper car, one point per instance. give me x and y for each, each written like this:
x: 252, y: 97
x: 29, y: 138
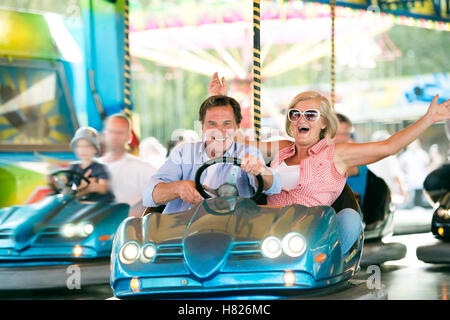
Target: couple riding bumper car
x: 231, y: 244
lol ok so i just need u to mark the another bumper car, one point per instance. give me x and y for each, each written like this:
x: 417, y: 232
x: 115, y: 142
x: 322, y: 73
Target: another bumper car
x: 59, y: 227
x: 438, y: 193
x: 440, y: 224
x: 378, y: 216
x: 230, y: 244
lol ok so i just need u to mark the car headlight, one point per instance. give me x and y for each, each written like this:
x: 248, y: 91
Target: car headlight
x: 271, y: 247
x: 129, y: 252
x: 82, y: 229
x: 149, y: 251
x: 85, y: 229
x: 69, y: 230
x: 294, y: 245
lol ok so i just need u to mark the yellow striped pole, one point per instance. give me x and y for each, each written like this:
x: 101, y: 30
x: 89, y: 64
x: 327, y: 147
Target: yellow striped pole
x: 333, y: 55
x: 134, y: 144
x: 127, y: 75
x: 256, y: 69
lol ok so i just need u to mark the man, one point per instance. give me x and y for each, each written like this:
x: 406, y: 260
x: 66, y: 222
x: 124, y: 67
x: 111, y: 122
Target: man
x: 129, y: 174
x: 357, y: 179
x: 173, y: 184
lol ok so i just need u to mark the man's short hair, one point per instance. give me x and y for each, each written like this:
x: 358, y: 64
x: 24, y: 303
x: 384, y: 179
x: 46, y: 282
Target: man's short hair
x: 344, y: 119
x: 220, y: 101
x: 119, y: 116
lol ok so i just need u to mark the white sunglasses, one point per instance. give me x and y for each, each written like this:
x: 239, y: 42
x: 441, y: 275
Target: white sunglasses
x: 311, y: 115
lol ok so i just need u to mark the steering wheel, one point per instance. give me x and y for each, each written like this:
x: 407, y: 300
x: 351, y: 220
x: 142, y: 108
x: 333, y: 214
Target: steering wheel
x: 65, y: 187
x: 226, y: 189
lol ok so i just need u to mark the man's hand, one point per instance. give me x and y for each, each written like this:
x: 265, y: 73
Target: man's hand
x: 216, y: 87
x: 187, y: 192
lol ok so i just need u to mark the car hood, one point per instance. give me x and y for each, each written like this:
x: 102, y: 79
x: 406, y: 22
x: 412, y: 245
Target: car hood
x: 209, y: 231
x: 21, y: 225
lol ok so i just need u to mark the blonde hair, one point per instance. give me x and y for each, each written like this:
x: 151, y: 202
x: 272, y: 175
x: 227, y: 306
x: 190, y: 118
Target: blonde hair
x: 326, y: 112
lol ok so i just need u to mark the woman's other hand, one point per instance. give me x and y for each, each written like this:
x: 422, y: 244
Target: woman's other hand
x: 438, y: 112
x: 217, y: 87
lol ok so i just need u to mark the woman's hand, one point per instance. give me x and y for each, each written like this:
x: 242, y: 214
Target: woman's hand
x: 438, y: 112
x: 252, y: 165
x: 348, y: 155
x: 216, y: 87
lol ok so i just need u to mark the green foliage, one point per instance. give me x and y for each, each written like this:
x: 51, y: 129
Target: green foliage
x: 167, y: 99
x: 423, y: 50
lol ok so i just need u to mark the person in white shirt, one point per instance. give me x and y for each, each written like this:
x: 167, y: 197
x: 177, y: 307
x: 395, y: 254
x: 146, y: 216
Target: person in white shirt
x: 414, y: 163
x: 129, y: 174
x: 153, y: 151
x: 389, y: 169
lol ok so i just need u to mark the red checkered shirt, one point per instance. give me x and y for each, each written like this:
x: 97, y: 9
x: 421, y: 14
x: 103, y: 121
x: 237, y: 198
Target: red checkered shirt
x: 319, y: 184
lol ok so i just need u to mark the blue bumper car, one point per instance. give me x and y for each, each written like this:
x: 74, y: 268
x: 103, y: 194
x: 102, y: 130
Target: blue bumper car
x: 59, y: 227
x: 436, y: 187
x: 231, y: 244
x: 440, y: 223
x: 378, y: 213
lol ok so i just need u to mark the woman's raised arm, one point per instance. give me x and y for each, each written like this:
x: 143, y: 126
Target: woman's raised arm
x: 348, y: 155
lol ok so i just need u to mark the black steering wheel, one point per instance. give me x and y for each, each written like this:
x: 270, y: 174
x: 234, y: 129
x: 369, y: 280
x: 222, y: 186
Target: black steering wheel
x: 65, y: 187
x: 226, y: 189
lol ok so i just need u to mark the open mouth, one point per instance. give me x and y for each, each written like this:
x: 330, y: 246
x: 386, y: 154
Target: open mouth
x: 303, y: 130
x: 218, y: 138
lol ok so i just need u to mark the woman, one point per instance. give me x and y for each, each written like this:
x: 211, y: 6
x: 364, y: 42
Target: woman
x: 310, y: 168
x: 314, y: 169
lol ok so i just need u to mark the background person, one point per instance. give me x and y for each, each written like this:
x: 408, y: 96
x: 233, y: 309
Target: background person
x: 436, y: 159
x: 85, y: 145
x: 151, y: 150
x: 414, y: 162
x: 129, y: 174
x: 437, y: 183
x: 179, y: 136
x: 357, y: 176
x: 389, y: 169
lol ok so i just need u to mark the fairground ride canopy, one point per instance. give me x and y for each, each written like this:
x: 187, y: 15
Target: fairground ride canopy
x: 207, y: 38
